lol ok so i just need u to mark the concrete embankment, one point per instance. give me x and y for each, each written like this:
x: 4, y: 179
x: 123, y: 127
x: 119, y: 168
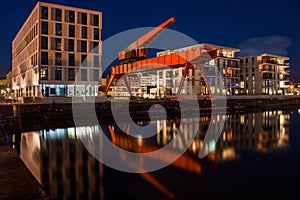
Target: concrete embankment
x: 61, y: 110
x: 263, y: 102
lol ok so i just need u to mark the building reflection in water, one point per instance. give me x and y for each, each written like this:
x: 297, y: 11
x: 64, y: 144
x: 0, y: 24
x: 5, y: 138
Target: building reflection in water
x: 60, y: 162
x: 259, y: 131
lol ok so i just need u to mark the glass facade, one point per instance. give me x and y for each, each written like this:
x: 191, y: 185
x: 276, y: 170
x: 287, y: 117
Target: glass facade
x: 49, y: 90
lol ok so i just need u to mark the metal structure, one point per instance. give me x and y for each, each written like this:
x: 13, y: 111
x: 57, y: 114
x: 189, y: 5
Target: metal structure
x: 133, y: 59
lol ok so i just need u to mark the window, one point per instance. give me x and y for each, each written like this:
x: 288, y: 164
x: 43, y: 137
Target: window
x: 58, y: 73
x: 56, y: 44
x: 84, y: 32
x: 44, y: 56
x: 44, y: 28
x: 82, y: 18
x: 83, y: 75
x: 58, y: 14
x: 82, y: 46
x: 83, y: 60
x: 44, y: 12
x: 44, y: 73
x: 71, y: 74
x: 58, y: 59
x: 94, y: 20
x: 71, y: 59
x: 96, y: 62
x: 95, y: 47
x: 96, y: 34
x: 44, y: 42
x: 70, y: 45
x: 71, y: 30
x: 96, y: 75
x: 58, y: 29
x: 70, y: 16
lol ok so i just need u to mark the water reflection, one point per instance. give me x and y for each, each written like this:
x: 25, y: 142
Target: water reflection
x: 60, y: 162
x: 65, y: 168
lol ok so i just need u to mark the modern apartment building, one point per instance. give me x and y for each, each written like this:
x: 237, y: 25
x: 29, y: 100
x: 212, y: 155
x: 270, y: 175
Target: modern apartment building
x: 221, y: 74
x: 264, y: 74
x: 56, y: 52
x: 222, y: 68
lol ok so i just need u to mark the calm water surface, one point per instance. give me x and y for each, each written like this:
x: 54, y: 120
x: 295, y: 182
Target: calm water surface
x: 257, y: 154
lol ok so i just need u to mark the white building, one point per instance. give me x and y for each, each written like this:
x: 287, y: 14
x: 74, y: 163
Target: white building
x: 52, y: 45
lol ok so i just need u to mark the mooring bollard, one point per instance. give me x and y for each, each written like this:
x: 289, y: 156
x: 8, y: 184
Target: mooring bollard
x: 15, y: 111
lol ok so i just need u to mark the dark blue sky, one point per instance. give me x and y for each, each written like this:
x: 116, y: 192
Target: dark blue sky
x: 255, y: 26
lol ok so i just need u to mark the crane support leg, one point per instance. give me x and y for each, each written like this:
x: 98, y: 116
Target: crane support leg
x: 202, y: 70
x: 127, y: 83
x: 111, y: 78
x: 185, y: 72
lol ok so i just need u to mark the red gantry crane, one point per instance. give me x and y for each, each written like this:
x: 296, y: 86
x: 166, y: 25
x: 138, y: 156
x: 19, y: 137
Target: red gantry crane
x: 133, y: 59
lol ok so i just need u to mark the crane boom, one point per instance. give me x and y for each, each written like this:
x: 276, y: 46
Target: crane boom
x: 137, y: 50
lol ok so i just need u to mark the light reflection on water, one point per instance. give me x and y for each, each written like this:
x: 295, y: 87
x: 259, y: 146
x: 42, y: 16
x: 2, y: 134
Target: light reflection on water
x: 59, y: 161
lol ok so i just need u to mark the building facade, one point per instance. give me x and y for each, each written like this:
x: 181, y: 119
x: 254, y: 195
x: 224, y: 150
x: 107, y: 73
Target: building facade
x: 264, y: 74
x: 221, y: 74
x: 56, y: 52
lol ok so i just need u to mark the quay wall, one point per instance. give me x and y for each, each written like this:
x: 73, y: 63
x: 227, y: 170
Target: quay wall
x: 61, y: 108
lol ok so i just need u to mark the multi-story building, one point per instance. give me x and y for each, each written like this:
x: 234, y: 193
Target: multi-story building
x: 5, y: 86
x: 264, y: 74
x: 221, y: 74
x: 222, y: 68
x: 56, y: 52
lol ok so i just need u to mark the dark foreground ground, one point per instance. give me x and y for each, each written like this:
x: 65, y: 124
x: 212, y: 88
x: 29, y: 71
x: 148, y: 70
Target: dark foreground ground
x: 16, y: 182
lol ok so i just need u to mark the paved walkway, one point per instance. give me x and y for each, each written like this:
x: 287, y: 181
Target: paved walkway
x: 16, y: 182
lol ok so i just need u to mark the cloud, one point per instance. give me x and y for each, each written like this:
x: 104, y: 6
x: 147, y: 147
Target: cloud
x: 275, y: 44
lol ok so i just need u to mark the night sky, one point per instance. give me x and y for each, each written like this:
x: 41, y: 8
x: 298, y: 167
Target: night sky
x: 255, y: 26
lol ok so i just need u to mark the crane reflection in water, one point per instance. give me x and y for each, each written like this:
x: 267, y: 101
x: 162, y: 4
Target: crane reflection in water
x: 59, y: 161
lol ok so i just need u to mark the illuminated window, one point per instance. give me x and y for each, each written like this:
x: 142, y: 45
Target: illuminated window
x: 44, y: 73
